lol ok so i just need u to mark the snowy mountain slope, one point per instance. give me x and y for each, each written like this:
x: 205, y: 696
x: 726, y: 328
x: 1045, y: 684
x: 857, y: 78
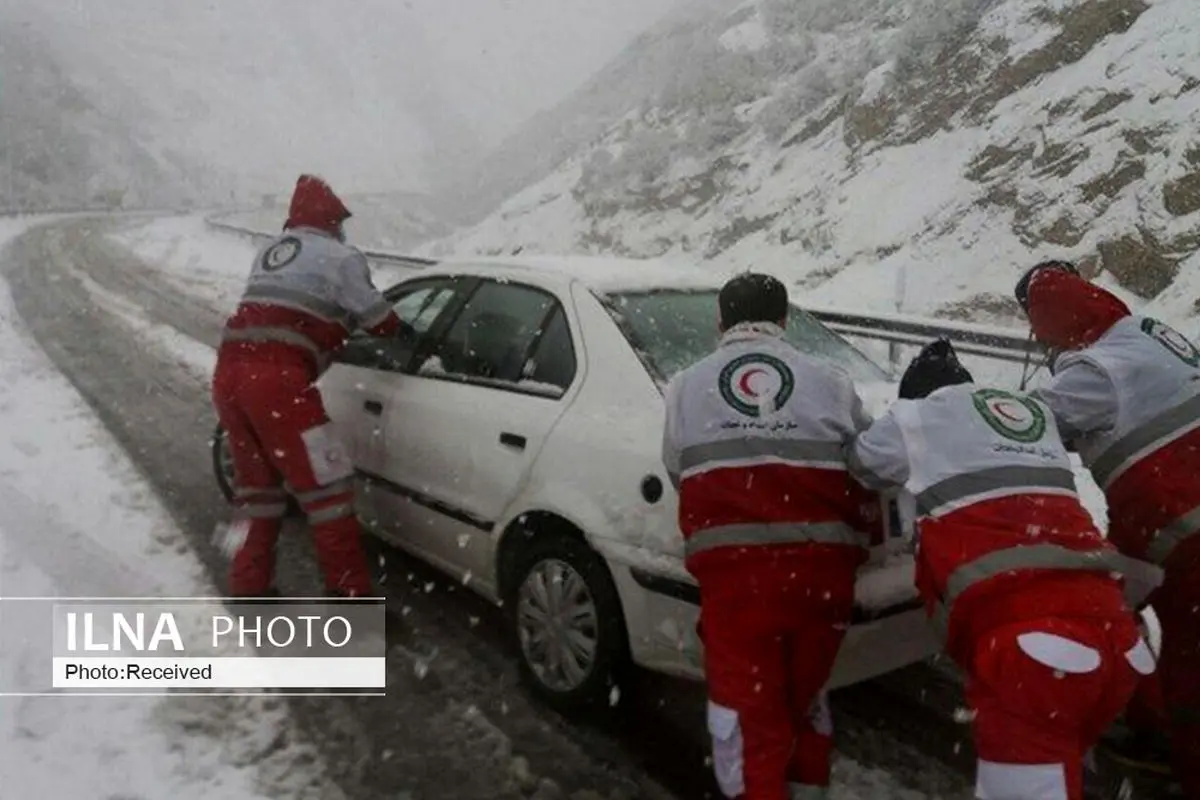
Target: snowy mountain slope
x: 248, y: 97
x: 915, y: 154
x: 536, y: 147
x: 58, y: 149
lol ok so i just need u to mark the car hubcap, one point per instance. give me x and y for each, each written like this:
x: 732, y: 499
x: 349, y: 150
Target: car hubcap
x: 557, y: 625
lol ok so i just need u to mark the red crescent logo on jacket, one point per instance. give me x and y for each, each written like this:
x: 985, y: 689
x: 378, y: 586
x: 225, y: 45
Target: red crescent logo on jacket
x: 750, y: 378
x: 281, y: 254
x: 1010, y: 415
x: 1006, y: 410
x: 744, y: 383
x: 1180, y: 346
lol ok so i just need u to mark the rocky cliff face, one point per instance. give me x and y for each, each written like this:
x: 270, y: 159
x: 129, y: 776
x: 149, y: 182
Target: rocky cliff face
x: 918, y: 154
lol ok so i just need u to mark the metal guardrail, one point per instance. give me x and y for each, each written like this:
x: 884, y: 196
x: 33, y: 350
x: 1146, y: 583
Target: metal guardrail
x: 384, y: 256
x: 64, y: 211
x: 969, y: 339
x: 993, y: 342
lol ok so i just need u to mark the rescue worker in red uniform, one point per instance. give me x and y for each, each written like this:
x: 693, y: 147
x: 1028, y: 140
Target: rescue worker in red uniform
x: 753, y: 442
x: 1126, y: 393
x: 1018, y: 581
x: 306, y: 292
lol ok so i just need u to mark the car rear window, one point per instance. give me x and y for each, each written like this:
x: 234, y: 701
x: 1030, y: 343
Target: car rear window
x: 673, y: 329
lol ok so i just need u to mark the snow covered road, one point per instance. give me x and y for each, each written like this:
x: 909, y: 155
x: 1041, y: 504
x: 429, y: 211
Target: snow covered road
x: 134, y: 335
x: 79, y: 520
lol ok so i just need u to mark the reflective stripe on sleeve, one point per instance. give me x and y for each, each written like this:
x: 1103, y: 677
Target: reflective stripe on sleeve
x: 326, y: 310
x: 1012, y: 559
x: 259, y: 335
x: 1171, y: 536
x: 951, y: 493
x: 762, y: 450
x: 758, y: 533
x: 1146, y: 438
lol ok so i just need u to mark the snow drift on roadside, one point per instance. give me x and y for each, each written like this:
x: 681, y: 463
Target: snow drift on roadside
x: 79, y: 520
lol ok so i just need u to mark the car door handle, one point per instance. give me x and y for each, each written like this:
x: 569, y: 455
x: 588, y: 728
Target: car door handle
x: 373, y: 407
x: 512, y: 440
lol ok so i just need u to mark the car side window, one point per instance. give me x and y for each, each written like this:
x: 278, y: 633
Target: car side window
x: 421, y: 306
x: 552, y: 367
x: 491, y: 337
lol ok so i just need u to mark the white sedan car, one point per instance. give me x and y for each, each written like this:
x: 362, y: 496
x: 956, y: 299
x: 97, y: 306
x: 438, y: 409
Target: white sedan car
x: 515, y: 445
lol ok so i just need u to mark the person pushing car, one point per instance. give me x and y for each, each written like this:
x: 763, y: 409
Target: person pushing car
x: 1020, y: 585
x: 773, y: 532
x: 1126, y: 392
x: 306, y: 293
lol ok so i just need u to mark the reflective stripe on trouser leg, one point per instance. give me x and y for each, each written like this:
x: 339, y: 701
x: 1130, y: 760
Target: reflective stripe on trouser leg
x: 997, y: 781
x: 328, y: 503
x: 768, y: 533
x: 260, y: 503
x: 338, y: 539
x: 727, y: 749
x: 1023, y: 557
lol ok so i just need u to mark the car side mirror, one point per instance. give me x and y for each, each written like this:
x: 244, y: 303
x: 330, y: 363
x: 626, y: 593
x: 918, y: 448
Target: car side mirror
x: 387, y: 353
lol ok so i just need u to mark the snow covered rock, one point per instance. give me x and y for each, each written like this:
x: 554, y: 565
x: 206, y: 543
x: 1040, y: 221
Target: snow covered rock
x: 857, y: 147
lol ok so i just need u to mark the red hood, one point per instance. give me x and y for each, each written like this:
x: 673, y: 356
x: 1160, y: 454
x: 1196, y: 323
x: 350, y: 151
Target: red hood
x: 314, y: 205
x: 1067, y: 312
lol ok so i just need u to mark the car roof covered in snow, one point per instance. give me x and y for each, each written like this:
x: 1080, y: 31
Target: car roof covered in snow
x: 601, y: 274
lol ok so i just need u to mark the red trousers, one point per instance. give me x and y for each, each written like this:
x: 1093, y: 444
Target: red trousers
x: 1042, y: 693
x: 770, y: 639
x: 281, y: 441
x: 1177, y: 605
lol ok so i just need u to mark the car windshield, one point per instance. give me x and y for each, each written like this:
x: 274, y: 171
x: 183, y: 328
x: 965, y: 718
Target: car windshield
x: 673, y: 329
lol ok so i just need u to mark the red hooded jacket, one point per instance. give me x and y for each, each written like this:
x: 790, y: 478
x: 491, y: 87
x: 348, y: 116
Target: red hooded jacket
x: 314, y: 205
x: 1156, y: 489
x: 301, y: 309
x: 1067, y: 312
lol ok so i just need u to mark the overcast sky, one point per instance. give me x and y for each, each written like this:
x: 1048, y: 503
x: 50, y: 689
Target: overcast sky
x: 517, y: 56
x: 370, y: 92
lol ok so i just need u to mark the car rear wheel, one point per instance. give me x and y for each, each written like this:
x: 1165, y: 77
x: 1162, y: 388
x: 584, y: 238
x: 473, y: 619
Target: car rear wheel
x: 568, y: 624
x: 222, y: 462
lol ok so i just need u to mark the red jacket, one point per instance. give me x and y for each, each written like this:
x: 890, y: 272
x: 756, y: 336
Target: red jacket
x: 1127, y: 393
x: 1002, y: 535
x: 307, y: 290
x: 754, y: 443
